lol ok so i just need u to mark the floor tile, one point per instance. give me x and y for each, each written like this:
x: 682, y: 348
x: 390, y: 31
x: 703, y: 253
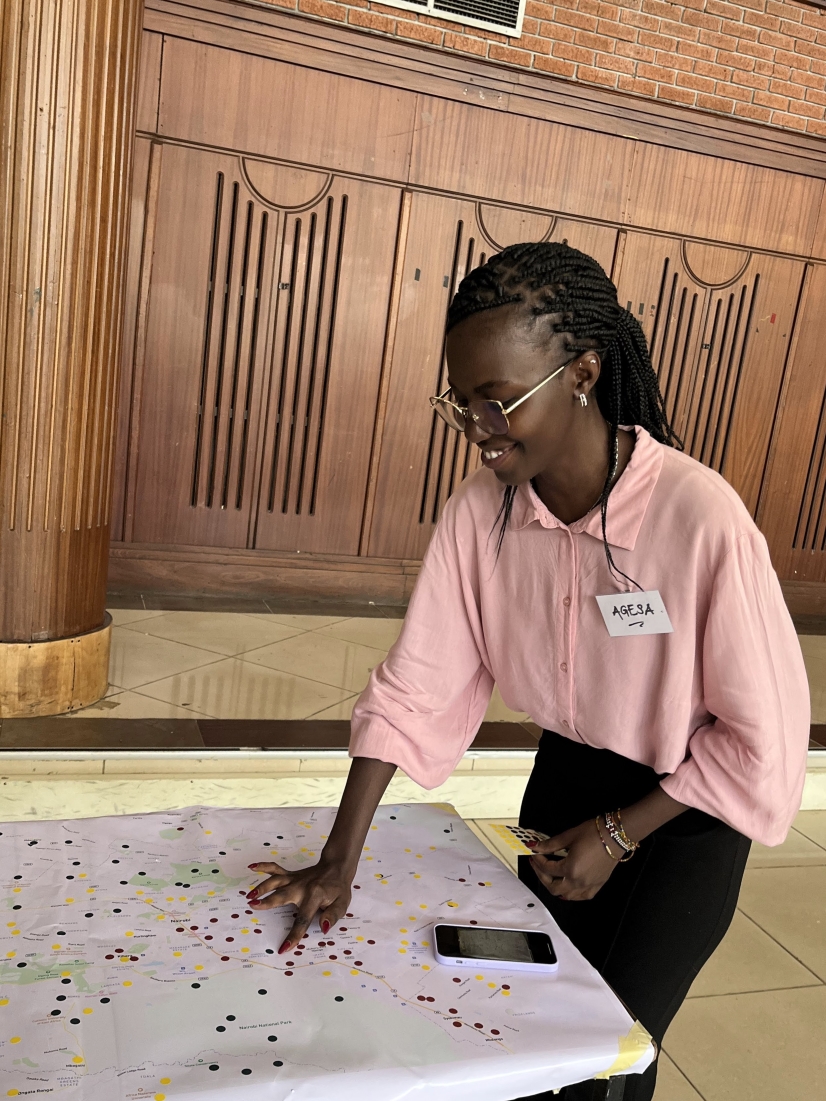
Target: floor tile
x: 795, y: 850
x: 131, y: 705
x: 320, y: 658
x: 790, y: 905
x: 227, y: 633
x: 344, y: 609
x: 138, y: 659
x: 236, y: 689
x: 275, y: 734
x: 812, y: 824
x: 302, y: 622
x: 752, y: 1047
x: 80, y: 733
x: 121, y: 616
x: 379, y: 633
x: 672, y: 1084
x: 814, y: 655
x: 747, y: 960
x: 343, y: 710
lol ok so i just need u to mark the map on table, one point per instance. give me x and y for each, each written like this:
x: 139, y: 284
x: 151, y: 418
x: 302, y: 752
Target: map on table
x: 132, y: 968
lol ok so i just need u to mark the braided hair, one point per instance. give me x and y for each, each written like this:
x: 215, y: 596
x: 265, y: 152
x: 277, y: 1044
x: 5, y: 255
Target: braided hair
x: 553, y: 278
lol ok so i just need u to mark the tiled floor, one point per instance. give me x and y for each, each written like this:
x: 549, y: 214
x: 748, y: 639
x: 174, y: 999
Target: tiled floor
x: 751, y: 1028
x: 245, y: 665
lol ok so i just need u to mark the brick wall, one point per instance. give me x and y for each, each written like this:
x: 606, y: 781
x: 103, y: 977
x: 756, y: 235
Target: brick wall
x: 755, y: 59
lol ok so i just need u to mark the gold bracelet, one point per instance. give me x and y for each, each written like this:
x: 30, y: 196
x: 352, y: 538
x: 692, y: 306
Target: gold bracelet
x: 616, y: 859
x: 613, y: 825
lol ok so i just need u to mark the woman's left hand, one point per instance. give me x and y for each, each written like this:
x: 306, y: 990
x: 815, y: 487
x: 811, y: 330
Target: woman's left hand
x: 580, y: 874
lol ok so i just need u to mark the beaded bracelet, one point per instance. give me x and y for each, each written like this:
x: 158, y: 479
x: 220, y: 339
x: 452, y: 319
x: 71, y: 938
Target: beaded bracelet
x: 613, y: 823
x: 618, y: 859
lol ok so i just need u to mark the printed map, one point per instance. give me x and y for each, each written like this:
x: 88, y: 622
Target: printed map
x: 132, y: 968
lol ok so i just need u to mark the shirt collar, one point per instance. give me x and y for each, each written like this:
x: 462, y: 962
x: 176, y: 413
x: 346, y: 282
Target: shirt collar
x: 626, y: 505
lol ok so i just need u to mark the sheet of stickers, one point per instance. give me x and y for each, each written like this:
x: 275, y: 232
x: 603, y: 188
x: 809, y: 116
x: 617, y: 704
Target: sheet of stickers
x: 132, y: 967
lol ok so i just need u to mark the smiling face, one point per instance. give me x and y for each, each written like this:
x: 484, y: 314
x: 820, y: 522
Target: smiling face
x: 501, y: 354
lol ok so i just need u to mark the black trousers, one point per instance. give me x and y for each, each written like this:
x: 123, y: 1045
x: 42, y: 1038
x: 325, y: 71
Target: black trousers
x: 660, y: 916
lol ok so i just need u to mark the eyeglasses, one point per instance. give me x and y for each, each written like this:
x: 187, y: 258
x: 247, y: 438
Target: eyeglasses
x: 490, y: 417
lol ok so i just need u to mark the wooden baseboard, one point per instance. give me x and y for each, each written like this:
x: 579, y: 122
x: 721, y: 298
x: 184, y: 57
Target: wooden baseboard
x: 805, y: 597
x: 215, y: 570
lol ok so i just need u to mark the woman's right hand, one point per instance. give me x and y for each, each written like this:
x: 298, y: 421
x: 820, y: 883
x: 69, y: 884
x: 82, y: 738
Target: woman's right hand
x: 322, y: 891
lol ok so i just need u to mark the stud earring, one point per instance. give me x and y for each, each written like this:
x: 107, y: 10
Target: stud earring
x: 583, y: 401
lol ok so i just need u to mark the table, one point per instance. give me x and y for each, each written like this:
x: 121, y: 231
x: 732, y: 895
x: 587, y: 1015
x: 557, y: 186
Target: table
x: 131, y: 967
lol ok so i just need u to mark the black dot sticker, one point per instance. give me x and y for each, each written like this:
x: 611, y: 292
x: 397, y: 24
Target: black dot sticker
x: 339, y: 998
x: 60, y: 998
x: 278, y: 1063
x: 196, y: 986
x: 221, y: 1028
x: 231, y: 1017
x: 89, y: 915
x: 18, y: 877
x: 55, y: 1012
x: 64, y: 981
x: 22, y: 965
x: 104, y: 1001
x: 74, y: 1021
x: 193, y: 870
x: 272, y: 1039
x: 246, y: 1070
x: 214, y: 1066
x: 262, y: 992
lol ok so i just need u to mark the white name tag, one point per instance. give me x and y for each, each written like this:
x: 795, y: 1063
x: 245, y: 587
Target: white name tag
x: 635, y: 614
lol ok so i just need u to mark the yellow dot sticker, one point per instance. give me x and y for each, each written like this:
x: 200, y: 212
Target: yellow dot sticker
x: 14, y: 1040
x: 126, y: 982
x: 70, y: 900
x: 12, y: 1093
x: 4, y: 1001
x: 87, y: 1011
x: 77, y: 1059
x: 166, y: 1081
x: 326, y: 974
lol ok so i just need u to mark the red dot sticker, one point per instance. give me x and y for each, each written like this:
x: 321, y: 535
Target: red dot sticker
x: 457, y: 1024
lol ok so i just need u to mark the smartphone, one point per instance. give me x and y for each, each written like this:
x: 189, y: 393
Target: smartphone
x: 506, y: 949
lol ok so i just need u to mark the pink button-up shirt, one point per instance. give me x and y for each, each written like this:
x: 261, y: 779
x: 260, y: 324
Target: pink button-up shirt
x: 721, y: 704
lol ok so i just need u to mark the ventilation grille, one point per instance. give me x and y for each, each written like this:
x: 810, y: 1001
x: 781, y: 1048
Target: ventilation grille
x: 230, y: 344
x: 810, y: 531
x: 504, y: 16
x: 698, y: 348
x: 450, y: 458
x: 311, y: 272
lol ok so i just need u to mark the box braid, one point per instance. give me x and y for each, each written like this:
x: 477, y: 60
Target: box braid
x: 553, y: 278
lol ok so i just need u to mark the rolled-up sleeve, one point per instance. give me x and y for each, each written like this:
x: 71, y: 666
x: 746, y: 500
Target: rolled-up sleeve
x: 424, y: 703
x: 747, y: 765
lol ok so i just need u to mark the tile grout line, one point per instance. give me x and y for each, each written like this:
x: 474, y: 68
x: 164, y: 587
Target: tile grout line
x: 702, y: 1096
x: 820, y: 982
x: 746, y: 993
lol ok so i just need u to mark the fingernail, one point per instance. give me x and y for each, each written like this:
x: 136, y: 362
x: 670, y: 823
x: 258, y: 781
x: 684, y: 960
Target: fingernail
x: 253, y: 893
x: 252, y: 867
x: 531, y: 844
x: 325, y: 927
x: 285, y: 947
x: 255, y: 902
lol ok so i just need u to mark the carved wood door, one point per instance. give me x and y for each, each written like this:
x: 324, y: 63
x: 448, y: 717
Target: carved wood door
x: 256, y: 398
x: 422, y: 460
x: 718, y: 323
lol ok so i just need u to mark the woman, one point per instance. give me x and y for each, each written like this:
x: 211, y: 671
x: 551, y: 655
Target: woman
x: 663, y: 754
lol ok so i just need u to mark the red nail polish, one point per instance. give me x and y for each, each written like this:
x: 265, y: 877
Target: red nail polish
x: 285, y: 947
x: 253, y: 893
x: 531, y: 844
x: 325, y: 927
x: 252, y: 867
x: 255, y: 902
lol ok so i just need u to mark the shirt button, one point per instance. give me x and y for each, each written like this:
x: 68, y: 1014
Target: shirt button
x: 567, y: 601
x: 564, y: 667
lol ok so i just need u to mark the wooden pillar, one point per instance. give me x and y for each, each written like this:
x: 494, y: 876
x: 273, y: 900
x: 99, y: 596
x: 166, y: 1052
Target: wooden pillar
x: 68, y: 73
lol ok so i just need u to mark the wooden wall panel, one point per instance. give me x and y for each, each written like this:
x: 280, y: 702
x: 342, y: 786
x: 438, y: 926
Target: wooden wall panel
x: 793, y: 505
x: 342, y: 453
x: 719, y: 350
x: 149, y: 84
x: 741, y: 204
x: 490, y: 154
x: 205, y: 358
x: 259, y: 106
x: 334, y: 291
